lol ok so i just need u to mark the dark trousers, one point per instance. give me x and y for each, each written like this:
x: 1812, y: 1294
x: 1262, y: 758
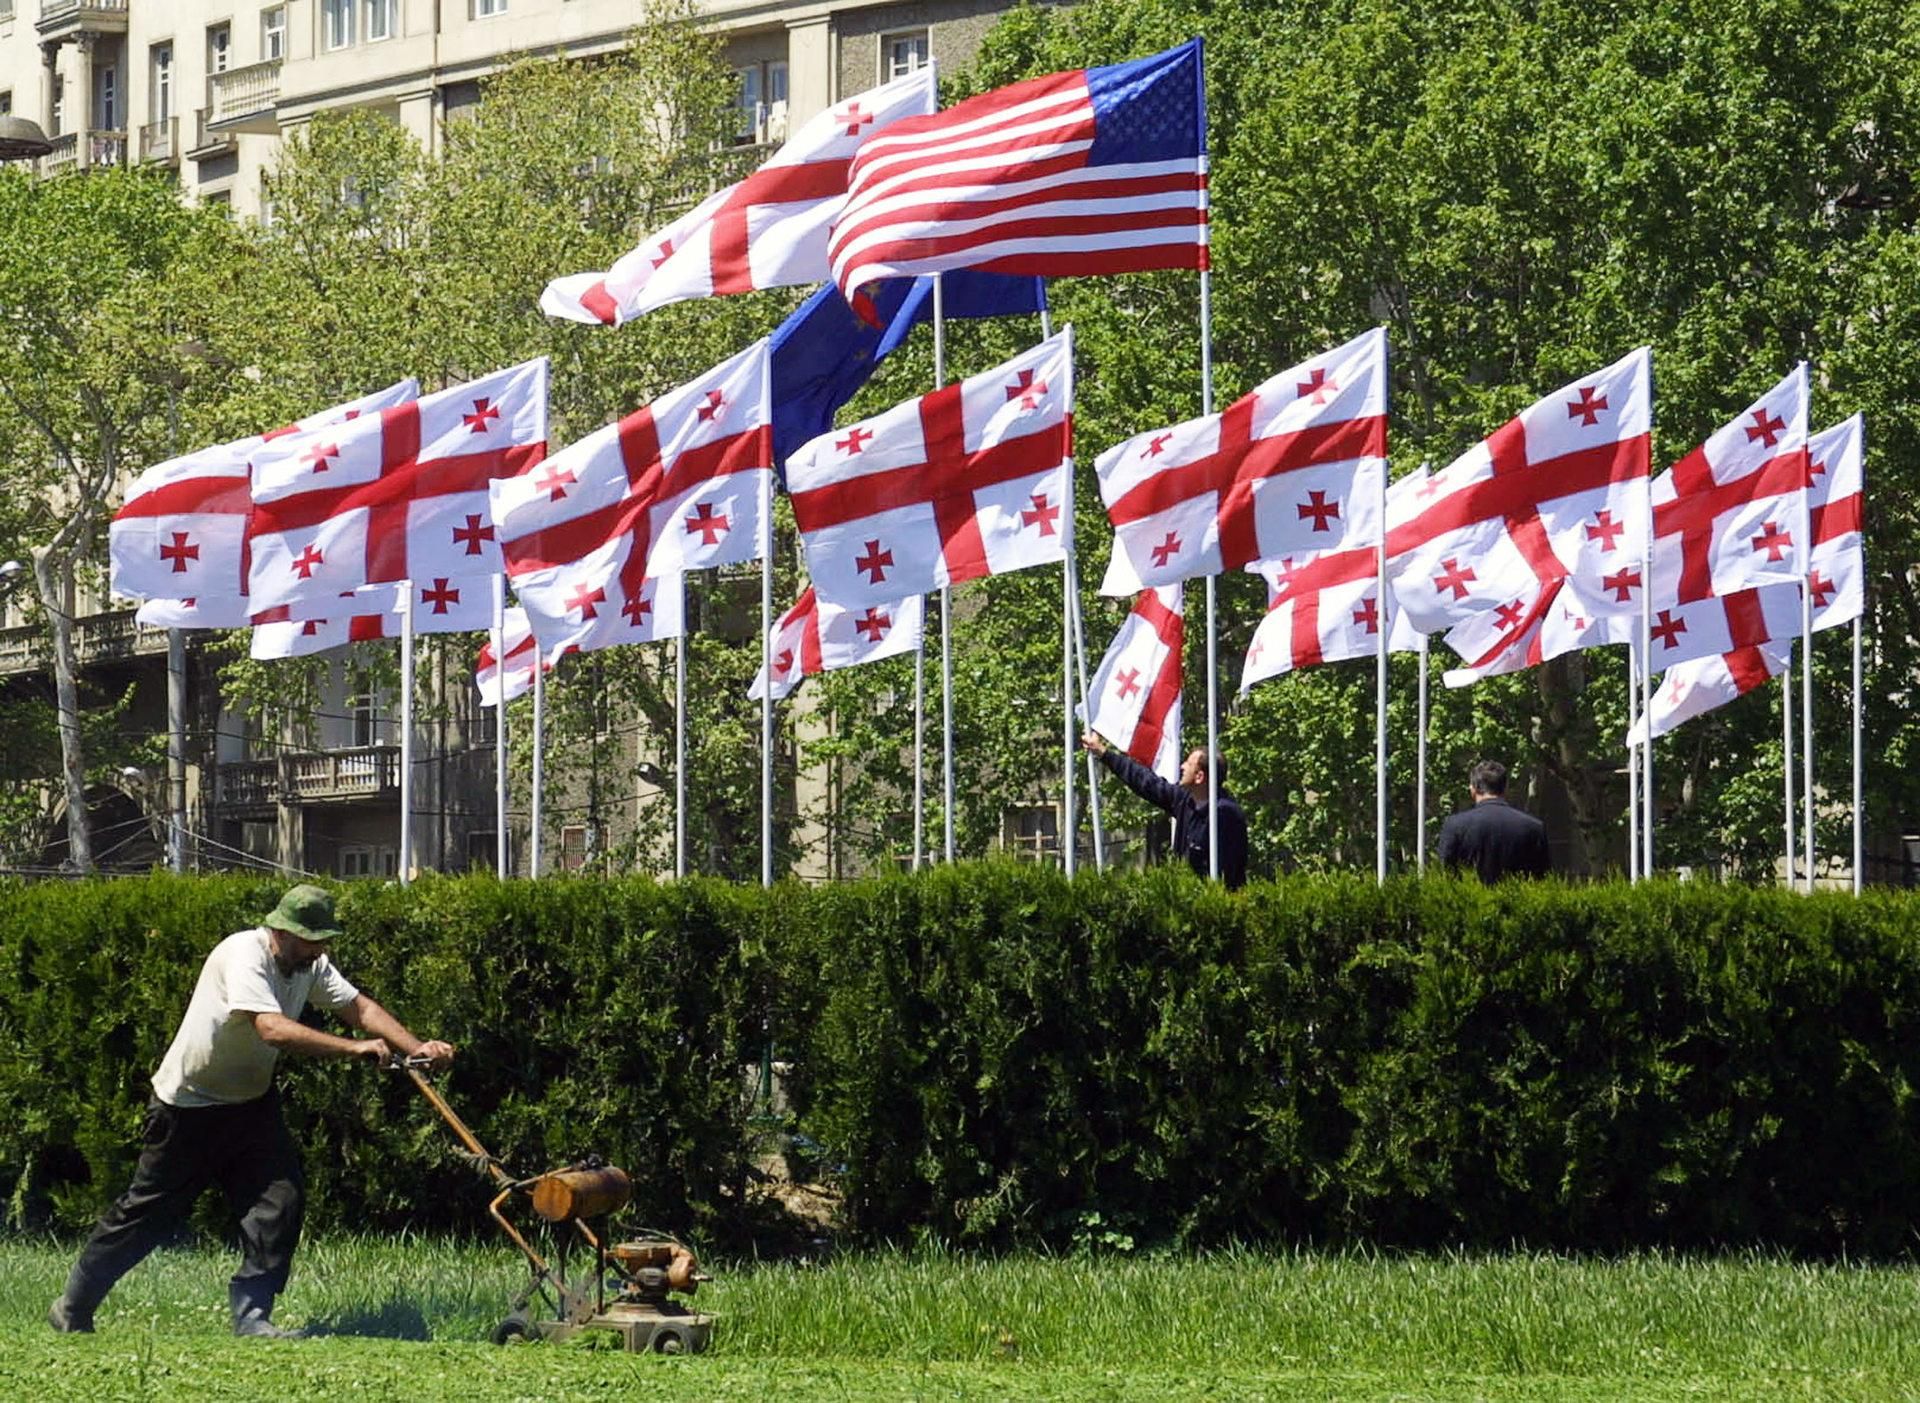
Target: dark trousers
x: 247, y: 1151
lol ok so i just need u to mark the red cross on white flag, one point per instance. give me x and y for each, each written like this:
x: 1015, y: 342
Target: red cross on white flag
x: 516, y: 678
x: 769, y: 230
x: 965, y: 482
x: 1295, y: 466
x: 1551, y: 502
x: 817, y: 635
x: 182, y: 532
x: 1694, y: 688
x: 405, y: 497
x: 1324, y: 607
x: 1134, y: 698
x: 371, y: 612
x: 1836, y: 577
x: 1732, y: 514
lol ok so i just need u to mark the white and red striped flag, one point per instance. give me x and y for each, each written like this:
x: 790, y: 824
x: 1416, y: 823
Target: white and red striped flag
x: 1555, y: 495
x: 1735, y: 508
x: 516, y: 678
x: 370, y: 612
x: 1295, y: 466
x: 1097, y: 170
x: 182, y: 533
x: 393, y: 497
x: 1837, y: 576
x: 1134, y: 697
x: 965, y: 482
x: 769, y: 230
x: 1323, y: 608
x: 817, y: 635
x: 1695, y: 688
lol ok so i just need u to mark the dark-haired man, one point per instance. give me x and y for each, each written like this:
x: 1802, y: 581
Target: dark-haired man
x: 1187, y: 802
x: 1493, y: 838
x: 215, y: 1116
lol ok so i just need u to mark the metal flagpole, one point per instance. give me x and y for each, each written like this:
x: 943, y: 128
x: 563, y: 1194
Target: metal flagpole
x: 536, y: 804
x: 680, y: 751
x: 1213, y: 638
x: 1380, y: 701
x: 1786, y: 757
x: 946, y: 594
x: 406, y: 730
x: 920, y: 744
x: 1420, y: 770
x: 1646, y: 685
x: 500, y: 725
x: 1634, y: 758
x: 1858, y: 851
x: 766, y: 653
x: 1093, y: 773
x: 177, y: 749
x: 1069, y: 828
x: 1806, y: 725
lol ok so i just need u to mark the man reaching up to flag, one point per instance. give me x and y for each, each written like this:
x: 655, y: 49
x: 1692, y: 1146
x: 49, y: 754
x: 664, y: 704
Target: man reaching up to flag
x: 1186, y: 802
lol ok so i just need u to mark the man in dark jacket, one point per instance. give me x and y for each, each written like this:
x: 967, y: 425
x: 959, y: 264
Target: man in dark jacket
x: 1493, y: 838
x: 1187, y: 802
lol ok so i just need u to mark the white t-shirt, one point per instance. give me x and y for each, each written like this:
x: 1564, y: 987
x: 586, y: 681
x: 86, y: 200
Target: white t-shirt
x: 217, y: 1059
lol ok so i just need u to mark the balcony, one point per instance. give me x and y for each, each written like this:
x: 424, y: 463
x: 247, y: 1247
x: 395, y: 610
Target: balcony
x: 209, y: 141
x: 243, y: 99
x: 160, y: 142
x: 99, y: 638
x: 102, y: 148
x: 63, y: 19
x: 306, y: 777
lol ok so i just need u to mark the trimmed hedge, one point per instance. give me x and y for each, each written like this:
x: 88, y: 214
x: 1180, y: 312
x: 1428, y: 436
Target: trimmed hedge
x: 990, y: 1054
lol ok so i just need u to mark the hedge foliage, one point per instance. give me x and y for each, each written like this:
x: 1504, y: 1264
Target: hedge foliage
x: 990, y: 1054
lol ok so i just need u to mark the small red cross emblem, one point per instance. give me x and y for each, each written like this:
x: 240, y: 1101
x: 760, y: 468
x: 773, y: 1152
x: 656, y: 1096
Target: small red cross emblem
x: 636, y: 609
x: 1622, y: 582
x: 1283, y: 578
x: 1605, y: 530
x: 311, y: 627
x: 1509, y: 615
x: 1129, y: 682
x: 874, y: 563
x: 1156, y: 445
x: 873, y: 625
x: 319, y: 456
x: 1676, y: 690
x: 1772, y: 540
x: 1453, y: 577
x: 440, y: 596
x: 1668, y: 629
x: 1822, y: 589
x: 709, y: 523
x: 1427, y: 488
x: 1320, y: 509
x: 472, y: 534
x: 1041, y: 515
x: 783, y: 662
x: 1027, y: 390
x: 1166, y: 550
x: 854, y: 118
x: 1316, y: 387
x: 556, y: 482
x: 666, y: 252
x: 710, y: 408
x: 307, y: 561
x: 1587, y: 408
x: 1815, y: 471
x: 180, y: 552
x: 1765, y: 427
x: 584, y: 599
x: 1576, y: 622
x: 1367, y: 616
x: 856, y: 439
x: 484, y: 412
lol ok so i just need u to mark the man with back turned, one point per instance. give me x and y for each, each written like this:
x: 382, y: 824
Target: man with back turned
x: 1493, y: 838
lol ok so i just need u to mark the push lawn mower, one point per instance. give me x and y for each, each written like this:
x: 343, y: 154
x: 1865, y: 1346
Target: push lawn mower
x: 642, y: 1276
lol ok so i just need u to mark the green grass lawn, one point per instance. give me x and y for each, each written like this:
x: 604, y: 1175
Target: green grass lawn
x: 409, y: 1321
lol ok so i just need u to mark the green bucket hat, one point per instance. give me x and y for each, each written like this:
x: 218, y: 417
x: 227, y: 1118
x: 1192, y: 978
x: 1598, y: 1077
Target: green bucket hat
x: 305, y: 911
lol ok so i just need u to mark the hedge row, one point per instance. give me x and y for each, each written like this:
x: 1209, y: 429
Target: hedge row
x: 990, y: 1054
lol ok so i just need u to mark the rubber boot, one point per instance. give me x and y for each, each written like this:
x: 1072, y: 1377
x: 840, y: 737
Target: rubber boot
x: 253, y: 1311
x: 72, y: 1314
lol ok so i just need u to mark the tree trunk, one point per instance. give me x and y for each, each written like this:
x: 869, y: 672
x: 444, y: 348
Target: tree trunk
x: 53, y: 581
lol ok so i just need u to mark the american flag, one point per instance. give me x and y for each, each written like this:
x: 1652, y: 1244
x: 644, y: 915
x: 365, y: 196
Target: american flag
x: 1097, y: 170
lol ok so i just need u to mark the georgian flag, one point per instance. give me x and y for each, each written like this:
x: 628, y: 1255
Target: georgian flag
x: 1553, y: 501
x: 217, y: 611
x: 1734, y: 511
x: 965, y: 482
x: 682, y: 484
x: 1134, y: 698
x: 1697, y: 687
x: 769, y: 230
x: 439, y: 606
x: 521, y: 652
x: 396, y: 496
x: 1837, y: 576
x: 816, y: 635
x: 1295, y: 466
x: 597, y: 602
x: 1565, y: 625
x: 182, y: 533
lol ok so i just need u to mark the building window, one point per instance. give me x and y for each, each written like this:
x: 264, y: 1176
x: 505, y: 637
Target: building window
x: 365, y: 707
x: 221, y: 200
x: 763, y: 101
x: 483, y: 851
x: 6, y: 103
x: 160, y: 63
x: 573, y: 847
x: 59, y: 105
x: 383, y: 18
x: 901, y: 54
x: 273, y: 32
x: 106, y: 102
x: 367, y: 860
x: 6, y: 13
x: 219, y: 48
x: 336, y: 23
x: 482, y: 9
x: 1033, y: 833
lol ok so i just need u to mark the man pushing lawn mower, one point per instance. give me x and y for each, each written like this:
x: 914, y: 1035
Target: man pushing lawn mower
x: 215, y: 1116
